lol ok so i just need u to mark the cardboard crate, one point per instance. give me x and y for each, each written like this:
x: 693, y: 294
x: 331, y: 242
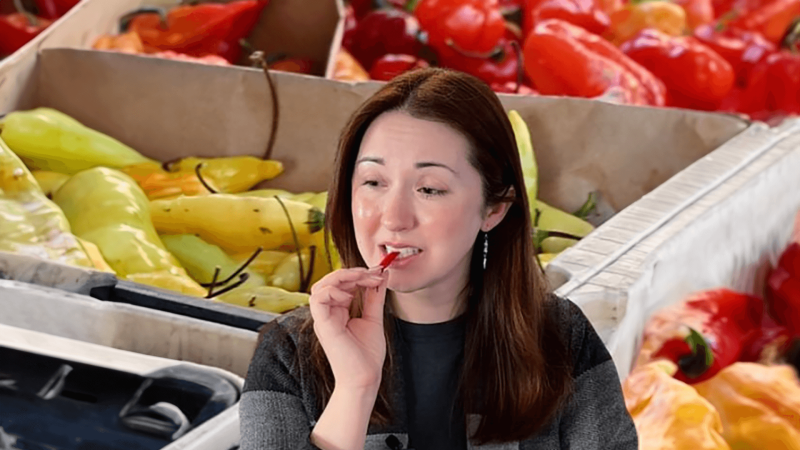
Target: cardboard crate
x: 168, y: 109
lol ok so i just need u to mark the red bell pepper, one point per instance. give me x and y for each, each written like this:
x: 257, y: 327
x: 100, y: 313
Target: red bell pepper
x: 17, y: 29
x: 770, y: 19
x: 698, y: 12
x: 54, y: 9
x: 564, y: 59
x: 774, y: 85
x: 691, y: 71
x: 469, y: 25
x: 199, y: 30
x: 382, y: 32
x: 586, y: 14
x: 390, y: 66
x: 706, y: 333
x: 742, y: 49
x: 499, y: 68
x: 783, y: 289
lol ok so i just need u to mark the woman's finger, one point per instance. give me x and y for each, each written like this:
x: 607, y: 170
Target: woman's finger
x: 339, y: 277
x: 374, y: 300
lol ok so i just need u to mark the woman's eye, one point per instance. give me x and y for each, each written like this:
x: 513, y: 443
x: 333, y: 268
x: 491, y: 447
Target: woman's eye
x: 431, y: 191
x: 372, y: 183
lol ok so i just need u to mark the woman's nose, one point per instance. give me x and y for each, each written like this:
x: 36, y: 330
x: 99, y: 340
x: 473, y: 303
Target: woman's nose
x: 398, y: 211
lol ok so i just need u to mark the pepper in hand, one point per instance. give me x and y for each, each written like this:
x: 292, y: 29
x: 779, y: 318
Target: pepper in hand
x: 563, y: 59
x: 695, y: 75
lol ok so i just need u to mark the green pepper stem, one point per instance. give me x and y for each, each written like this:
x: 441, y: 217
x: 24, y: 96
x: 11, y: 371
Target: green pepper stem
x: 294, y: 237
x: 491, y: 54
x: 700, y: 360
x: 258, y: 58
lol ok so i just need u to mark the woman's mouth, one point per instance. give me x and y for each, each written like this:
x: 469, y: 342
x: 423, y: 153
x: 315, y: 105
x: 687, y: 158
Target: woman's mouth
x: 403, y: 252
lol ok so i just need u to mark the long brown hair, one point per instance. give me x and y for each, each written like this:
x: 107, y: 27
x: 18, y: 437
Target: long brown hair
x: 516, y: 373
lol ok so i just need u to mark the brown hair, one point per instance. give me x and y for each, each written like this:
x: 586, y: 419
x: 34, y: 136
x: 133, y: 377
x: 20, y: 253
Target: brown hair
x: 516, y: 373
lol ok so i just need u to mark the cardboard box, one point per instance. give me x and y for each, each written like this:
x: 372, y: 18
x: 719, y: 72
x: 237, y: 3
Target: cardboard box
x: 168, y: 109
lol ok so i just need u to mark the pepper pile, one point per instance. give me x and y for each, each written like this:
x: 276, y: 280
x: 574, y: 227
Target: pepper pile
x: 210, y: 33
x: 736, y: 351
x: 20, y: 27
x: 735, y: 56
x: 73, y: 194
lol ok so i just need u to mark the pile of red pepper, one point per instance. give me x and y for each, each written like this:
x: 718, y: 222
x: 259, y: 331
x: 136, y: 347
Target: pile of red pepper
x: 18, y: 26
x: 717, y: 328
x: 716, y: 55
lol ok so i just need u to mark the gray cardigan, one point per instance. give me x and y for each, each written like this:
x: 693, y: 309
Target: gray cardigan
x: 278, y: 408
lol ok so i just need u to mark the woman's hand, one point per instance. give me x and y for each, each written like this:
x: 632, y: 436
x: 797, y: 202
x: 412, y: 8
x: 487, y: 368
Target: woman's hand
x: 356, y: 348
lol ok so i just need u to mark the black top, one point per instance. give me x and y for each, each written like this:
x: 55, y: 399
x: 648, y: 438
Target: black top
x: 435, y: 354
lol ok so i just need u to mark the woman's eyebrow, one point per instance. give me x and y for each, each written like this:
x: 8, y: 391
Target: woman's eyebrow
x: 371, y: 159
x: 424, y: 164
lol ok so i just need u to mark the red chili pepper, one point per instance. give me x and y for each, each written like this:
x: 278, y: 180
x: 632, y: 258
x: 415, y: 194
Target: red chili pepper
x: 713, y: 329
x: 382, y: 32
x: 742, y: 49
x: 199, y: 30
x: 770, y: 19
x: 499, y: 68
x: 388, y: 259
x: 783, y: 289
x: 564, y: 59
x: 17, y: 30
x: 691, y: 71
x: 586, y: 14
x: 390, y: 66
x: 469, y: 25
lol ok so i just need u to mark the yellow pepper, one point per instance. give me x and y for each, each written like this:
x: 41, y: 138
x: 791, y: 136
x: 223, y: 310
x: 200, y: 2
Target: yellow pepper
x: 265, y: 298
x: 669, y: 414
x: 30, y: 223
x: 200, y: 259
x: 160, y: 184
x: 265, y: 263
x: 49, y: 181
x: 266, y: 193
x: 238, y: 224
x: 46, y: 139
x: 106, y: 207
x: 230, y: 174
x: 287, y: 273
x: 634, y: 17
x: 759, y: 405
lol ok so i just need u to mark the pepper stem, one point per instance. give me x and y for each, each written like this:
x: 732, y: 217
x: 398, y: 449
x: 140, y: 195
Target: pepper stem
x: 520, y: 65
x: 296, y: 240
x: 30, y: 17
x: 242, y: 279
x: 237, y: 271
x: 700, y: 360
x: 790, y: 39
x: 258, y: 59
x: 491, y: 54
x: 202, y: 180
x: 312, y: 256
x: 588, y: 206
x: 213, y: 282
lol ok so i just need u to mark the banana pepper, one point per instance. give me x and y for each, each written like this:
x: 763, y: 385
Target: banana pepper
x: 230, y: 174
x: 30, y: 223
x: 238, y: 224
x: 107, y: 208
x: 759, y: 405
x: 265, y: 298
x: 46, y: 139
x: 200, y: 259
x: 160, y: 184
x: 669, y: 414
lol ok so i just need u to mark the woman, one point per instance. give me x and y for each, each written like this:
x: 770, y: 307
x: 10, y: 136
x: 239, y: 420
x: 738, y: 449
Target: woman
x: 457, y: 343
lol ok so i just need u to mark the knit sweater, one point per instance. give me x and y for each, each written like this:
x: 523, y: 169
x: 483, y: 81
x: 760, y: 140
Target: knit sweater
x: 278, y: 409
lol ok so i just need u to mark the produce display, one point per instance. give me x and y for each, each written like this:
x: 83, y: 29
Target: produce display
x: 719, y: 370
x: 734, y: 56
x: 198, y: 226
x: 20, y: 22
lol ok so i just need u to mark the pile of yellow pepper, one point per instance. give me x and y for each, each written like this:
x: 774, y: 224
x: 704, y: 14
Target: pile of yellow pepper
x: 72, y: 194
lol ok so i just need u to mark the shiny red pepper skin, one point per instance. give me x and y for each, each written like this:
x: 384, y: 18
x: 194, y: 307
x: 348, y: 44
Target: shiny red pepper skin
x: 382, y: 32
x: 471, y: 25
x: 742, y: 49
x: 54, y: 9
x: 774, y: 86
x: 563, y: 59
x: 390, y: 66
x: 388, y: 259
x: 691, y: 71
x: 583, y: 13
x: 204, y: 29
x: 16, y: 31
x: 770, y: 20
x: 783, y: 289
x: 698, y: 12
x: 727, y: 321
x: 499, y: 69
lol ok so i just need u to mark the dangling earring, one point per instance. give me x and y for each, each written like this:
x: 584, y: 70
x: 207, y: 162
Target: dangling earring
x: 485, y: 249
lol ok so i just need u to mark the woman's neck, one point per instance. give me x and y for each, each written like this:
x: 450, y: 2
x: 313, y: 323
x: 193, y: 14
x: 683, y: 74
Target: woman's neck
x: 426, y: 306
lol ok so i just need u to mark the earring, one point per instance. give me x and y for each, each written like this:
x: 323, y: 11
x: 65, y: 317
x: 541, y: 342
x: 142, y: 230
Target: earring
x: 485, y: 249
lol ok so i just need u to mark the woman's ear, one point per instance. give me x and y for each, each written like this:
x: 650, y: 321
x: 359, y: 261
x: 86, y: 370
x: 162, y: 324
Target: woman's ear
x: 495, y: 213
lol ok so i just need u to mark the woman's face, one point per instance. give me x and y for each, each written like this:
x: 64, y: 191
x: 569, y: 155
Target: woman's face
x: 415, y: 191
